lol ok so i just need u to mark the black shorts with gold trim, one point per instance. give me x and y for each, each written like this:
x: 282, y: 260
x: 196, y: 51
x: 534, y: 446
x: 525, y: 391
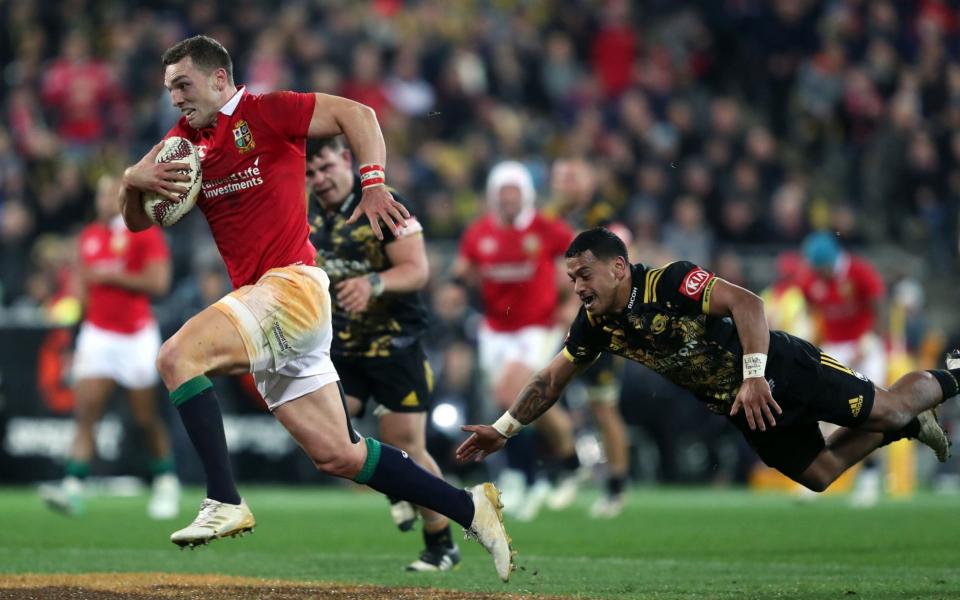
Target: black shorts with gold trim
x: 809, y: 386
x: 401, y: 383
x: 602, y: 379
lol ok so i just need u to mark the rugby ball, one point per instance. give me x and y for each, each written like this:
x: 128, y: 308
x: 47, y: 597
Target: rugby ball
x: 162, y: 210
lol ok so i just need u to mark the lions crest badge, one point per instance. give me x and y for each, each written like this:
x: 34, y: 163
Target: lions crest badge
x: 242, y: 137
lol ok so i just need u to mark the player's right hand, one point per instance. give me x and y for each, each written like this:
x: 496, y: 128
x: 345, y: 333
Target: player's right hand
x: 150, y: 176
x: 757, y: 402
x: 378, y: 204
x: 483, y: 441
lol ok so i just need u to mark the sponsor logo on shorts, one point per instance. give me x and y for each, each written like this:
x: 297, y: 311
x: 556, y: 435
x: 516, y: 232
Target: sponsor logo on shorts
x: 694, y: 282
x: 855, y: 405
x: 281, y: 339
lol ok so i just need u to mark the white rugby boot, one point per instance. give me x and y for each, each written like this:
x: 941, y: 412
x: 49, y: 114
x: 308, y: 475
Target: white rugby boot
x: 404, y: 514
x: 608, y: 506
x: 66, y: 497
x: 932, y: 435
x: 436, y: 559
x: 215, y: 520
x: 487, y: 527
x: 567, y: 488
x: 165, y: 499
x: 537, y: 495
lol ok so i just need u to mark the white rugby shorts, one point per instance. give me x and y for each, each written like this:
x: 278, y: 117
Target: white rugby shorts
x: 872, y: 362
x: 130, y: 359
x: 286, y: 325
x: 532, y: 346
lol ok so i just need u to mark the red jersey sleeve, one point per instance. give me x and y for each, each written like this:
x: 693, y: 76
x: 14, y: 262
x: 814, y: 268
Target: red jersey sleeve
x: 562, y: 236
x: 868, y: 280
x: 289, y: 113
x: 468, y: 245
x: 153, y: 245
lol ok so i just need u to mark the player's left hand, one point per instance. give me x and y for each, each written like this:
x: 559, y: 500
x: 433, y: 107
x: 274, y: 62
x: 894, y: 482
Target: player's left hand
x: 379, y: 205
x: 354, y: 294
x: 483, y: 441
x: 757, y: 402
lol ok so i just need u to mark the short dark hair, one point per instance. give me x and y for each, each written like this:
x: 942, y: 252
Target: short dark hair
x: 206, y: 53
x: 315, y: 146
x: 604, y: 244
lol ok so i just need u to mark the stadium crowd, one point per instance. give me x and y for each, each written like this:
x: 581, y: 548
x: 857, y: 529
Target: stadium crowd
x: 714, y: 129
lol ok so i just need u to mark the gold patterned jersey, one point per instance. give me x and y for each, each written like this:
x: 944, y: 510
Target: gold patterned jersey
x: 665, y: 327
x: 392, y: 322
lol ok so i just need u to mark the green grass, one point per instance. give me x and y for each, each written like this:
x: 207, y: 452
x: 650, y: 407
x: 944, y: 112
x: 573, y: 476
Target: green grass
x: 669, y: 544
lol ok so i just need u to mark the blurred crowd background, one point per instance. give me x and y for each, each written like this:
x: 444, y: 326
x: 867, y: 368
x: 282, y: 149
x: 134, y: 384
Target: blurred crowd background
x: 718, y: 131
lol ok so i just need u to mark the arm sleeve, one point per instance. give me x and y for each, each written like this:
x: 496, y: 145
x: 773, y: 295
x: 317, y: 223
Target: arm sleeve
x: 580, y: 346
x: 681, y: 285
x: 562, y: 236
x: 468, y: 246
x: 154, y: 245
x: 870, y: 283
x: 288, y: 113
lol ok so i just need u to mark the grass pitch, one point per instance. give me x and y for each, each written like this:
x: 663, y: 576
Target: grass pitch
x: 668, y: 544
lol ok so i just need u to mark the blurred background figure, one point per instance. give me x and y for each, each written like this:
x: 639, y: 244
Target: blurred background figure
x: 846, y: 295
x: 573, y: 198
x: 117, y: 345
x: 511, y: 253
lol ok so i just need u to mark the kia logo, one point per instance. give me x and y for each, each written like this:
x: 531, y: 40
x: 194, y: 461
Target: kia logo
x: 695, y: 280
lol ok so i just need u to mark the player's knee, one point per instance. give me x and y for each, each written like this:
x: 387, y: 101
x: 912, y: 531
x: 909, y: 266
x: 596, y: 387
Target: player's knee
x: 404, y: 440
x: 167, y: 359
x: 816, y: 485
x: 339, y: 464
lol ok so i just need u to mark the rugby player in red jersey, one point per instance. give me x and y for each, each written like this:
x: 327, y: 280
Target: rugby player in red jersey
x: 511, y: 253
x: 845, y: 293
x: 277, y: 322
x: 117, y: 345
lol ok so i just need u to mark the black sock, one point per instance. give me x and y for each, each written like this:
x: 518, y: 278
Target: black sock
x: 393, y: 473
x: 910, y: 430
x: 616, y: 485
x: 522, y: 455
x: 200, y: 413
x: 439, y: 539
x: 571, y: 463
x: 947, y: 378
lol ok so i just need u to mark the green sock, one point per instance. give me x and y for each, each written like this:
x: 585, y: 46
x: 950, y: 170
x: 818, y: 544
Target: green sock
x: 161, y: 466
x: 78, y: 468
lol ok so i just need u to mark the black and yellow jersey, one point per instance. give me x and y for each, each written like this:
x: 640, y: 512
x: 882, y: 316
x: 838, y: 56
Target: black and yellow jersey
x: 392, y: 322
x: 665, y: 327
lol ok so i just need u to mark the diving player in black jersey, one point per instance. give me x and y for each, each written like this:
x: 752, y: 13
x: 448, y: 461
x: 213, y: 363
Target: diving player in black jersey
x: 711, y: 337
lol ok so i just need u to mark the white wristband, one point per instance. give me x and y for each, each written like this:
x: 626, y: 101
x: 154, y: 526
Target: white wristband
x: 754, y: 365
x: 507, y: 426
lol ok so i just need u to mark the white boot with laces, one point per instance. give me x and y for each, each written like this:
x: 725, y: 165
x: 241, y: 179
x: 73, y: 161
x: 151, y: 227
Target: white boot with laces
x: 215, y: 520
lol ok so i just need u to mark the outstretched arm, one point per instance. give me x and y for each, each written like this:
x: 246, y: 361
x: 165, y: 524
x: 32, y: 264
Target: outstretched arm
x: 746, y: 309
x: 333, y: 115
x: 540, y: 393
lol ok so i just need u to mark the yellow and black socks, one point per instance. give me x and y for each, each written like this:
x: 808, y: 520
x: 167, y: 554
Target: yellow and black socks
x: 200, y: 412
x: 393, y: 473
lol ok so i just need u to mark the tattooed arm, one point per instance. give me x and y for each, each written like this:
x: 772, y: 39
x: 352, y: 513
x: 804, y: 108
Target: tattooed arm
x: 540, y: 393
x: 544, y: 389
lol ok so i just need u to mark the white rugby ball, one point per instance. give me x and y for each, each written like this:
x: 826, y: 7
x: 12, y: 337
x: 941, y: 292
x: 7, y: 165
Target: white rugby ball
x: 162, y: 210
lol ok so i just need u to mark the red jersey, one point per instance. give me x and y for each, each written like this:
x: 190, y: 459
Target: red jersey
x: 844, y: 302
x: 253, y: 160
x: 112, y: 247
x: 517, y: 267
